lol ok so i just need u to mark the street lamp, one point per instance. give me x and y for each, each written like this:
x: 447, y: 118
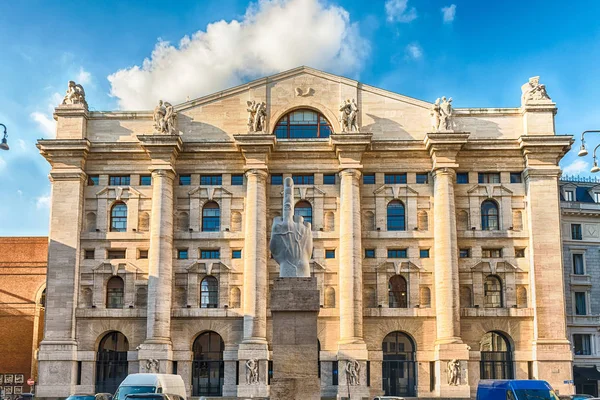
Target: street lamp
x: 582, y: 150
x: 4, y: 144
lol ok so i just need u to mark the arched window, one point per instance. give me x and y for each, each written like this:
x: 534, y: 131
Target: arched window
x: 211, y: 217
x: 489, y: 216
x: 90, y: 222
x: 208, y: 368
x: 115, y: 292
x: 395, y: 216
x: 209, y: 292
x: 303, y: 209
x: 329, y: 301
x: 302, y: 124
x: 496, y: 357
x: 397, y: 292
x: 493, y: 292
x: 118, y: 218
x: 42, y: 301
x: 398, y: 366
x: 111, y: 362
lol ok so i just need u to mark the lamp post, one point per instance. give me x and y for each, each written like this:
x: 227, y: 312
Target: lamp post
x: 583, y: 151
x: 4, y: 144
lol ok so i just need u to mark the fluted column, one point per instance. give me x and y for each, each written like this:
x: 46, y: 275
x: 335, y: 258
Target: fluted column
x: 446, y: 258
x: 255, y: 258
x: 160, y: 257
x: 350, y: 270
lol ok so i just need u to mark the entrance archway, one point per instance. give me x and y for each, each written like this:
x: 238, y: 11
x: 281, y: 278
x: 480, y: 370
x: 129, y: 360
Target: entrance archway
x: 208, y: 369
x: 111, y: 362
x: 496, y: 357
x: 398, y: 366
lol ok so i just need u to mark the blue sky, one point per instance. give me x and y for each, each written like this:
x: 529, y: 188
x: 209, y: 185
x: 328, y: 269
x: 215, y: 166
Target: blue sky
x: 478, y: 52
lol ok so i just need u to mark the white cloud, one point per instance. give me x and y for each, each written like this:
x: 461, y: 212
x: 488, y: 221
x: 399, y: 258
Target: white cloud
x: 83, y: 77
x: 448, y: 13
x: 45, y: 123
x: 414, y: 51
x: 576, y: 167
x: 42, y: 202
x: 273, y: 35
x: 20, y: 192
x: 397, y: 10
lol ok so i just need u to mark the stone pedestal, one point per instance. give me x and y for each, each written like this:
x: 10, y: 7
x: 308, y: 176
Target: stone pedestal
x: 443, y: 354
x: 295, y: 306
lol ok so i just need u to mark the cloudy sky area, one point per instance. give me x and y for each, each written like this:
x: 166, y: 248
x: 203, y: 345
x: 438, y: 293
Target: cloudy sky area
x: 127, y: 57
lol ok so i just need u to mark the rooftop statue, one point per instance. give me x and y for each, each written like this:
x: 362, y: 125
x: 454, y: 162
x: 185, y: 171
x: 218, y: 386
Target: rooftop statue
x: 164, y: 118
x: 533, y: 90
x: 257, y: 116
x: 442, y: 115
x: 349, y: 116
x: 291, y: 238
x: 75, y: 94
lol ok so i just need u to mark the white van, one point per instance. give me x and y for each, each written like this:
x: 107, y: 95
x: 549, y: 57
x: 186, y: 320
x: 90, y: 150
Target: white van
x: 151, y: 383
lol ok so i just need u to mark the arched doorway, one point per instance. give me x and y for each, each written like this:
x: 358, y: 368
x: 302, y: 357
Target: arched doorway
x: 111, y: 362
x: 208, y: 368
x: 398, y: 366
x: 496, y: 357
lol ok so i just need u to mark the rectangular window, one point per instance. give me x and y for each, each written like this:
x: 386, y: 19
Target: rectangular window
x: 576, y: 232
x: 236, y: 254
x: 520, y: 253
x: 93, y: 180
x: 431, y: 376
x: 174, y: 368
x: 211, y: 180
x: 276, y: 179
x: 121, y: 180
x: 369, y: 253
x: 269, y: 372
x: 464, y: 253
x: 334, y: 373
x: 489, y: 177
x: 424, y: 253
x: 79, y: 365
x: 397, y: 253
x: 210, y: 254
x: 185, y: 180
x: 392, y: 179
x: 578, y: 264
x: 462, y: 177
x: 305, y: 179
x: 182, y: 254
x: 145, y: 180
x: 580, y: 303
x: 597, y: 197
x: 368, y: 179
x: 115, y: 254
x: 89, y: 254
x: 569, y: 195
x: 237, y: 180
x: 329, y: 179
x: 423, y: 178
x: 582, y: 345
x: 516, y: 177
x: 491, y: 253
x: 368, y: 373
x: 329, y: 253
x: 143, y: 254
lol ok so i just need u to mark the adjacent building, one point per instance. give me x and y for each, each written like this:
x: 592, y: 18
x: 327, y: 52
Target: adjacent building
x: 437, y: 242
x: 22, y: 304
x: 580, y: 209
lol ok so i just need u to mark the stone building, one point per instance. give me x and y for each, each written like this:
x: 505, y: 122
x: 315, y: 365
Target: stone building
x: 22, y: 302
x: 436, y: 238
x: 580, y: 209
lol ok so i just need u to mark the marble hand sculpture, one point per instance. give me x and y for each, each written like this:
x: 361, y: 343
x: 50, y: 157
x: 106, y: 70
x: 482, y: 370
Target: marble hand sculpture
x: 291, y: 238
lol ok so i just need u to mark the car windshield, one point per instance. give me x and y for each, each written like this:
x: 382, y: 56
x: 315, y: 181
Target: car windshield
x: 81, y: 398
x: 125, y: 390
x: 536, y: 394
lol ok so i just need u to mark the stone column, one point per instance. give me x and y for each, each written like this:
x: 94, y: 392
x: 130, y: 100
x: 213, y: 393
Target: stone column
x: 58, y: 350
x: 256, y: 149
x: 162, y: 150
x: 443, y: 148
x: 551, y: 350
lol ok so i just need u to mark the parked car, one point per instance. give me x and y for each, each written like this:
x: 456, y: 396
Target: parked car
x: 388, y: 398
x: 153, y: 396
x: 491, y: 389
x: 150, y: 383
x: 82, y: 397
x: 580, y: 397
x: 26, y: 396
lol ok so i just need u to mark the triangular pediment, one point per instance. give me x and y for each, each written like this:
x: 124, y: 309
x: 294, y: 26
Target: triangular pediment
x: 396, y: 191
x: 208, y: 267
x: 114, y: 267
x: 398, y: 266
x: 118, y: 192
x: 494, y: 267
x: 491, y: 190
x: 210, y: 192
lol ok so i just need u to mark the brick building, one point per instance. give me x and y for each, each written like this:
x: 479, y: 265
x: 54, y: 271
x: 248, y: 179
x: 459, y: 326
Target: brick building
x: 434, y: 243
x: 23, y: 263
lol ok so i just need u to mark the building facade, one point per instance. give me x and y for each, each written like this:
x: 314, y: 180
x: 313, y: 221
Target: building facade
x: 580, y: 209
x: 22, y: 304
x: 436, y: 239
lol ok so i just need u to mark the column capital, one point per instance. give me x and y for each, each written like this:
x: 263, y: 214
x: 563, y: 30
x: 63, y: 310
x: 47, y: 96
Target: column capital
x: 162, y: 172
x: 444, y: 171
x: 259, y: 173
x: 444, y: 147
x: 353, y: 172
x: 350, y: 147
x: 162, y: 149
x: 256, y: 149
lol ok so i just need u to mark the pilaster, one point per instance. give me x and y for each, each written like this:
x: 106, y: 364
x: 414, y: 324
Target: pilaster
x: 71, y: 121
x: 58, y: 349
x: 538, y: 117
